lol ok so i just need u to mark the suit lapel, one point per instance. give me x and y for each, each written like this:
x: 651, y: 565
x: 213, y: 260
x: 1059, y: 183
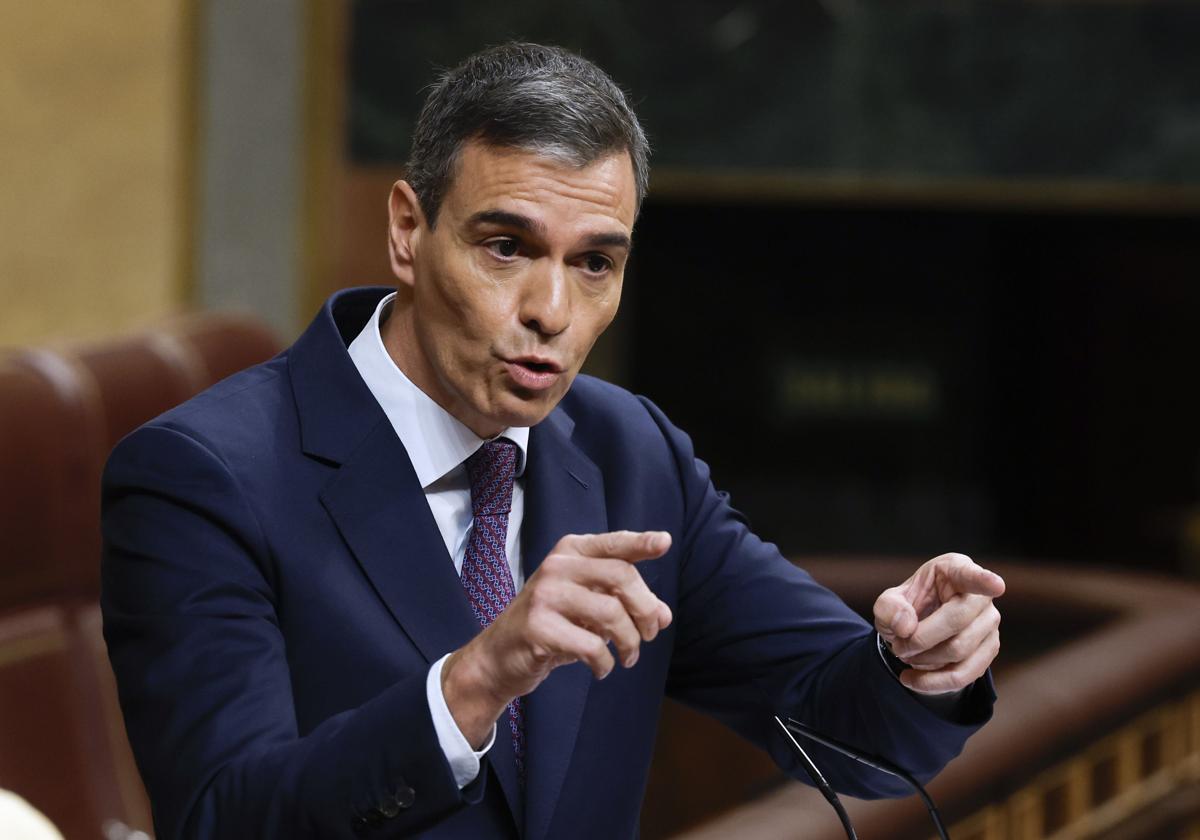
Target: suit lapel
x: 564, y: 495
x: 379, y: 508
x: 376, y: 500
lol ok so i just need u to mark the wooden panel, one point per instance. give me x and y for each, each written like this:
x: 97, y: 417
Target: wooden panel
x: 96, y: 113
x: 1094, y: 736
x: 700, y: 770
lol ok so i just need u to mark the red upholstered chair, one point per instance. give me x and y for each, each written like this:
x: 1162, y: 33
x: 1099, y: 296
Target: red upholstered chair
x: 51, y: 451
x: 62, y: 739
x: 61, y: 412
x: 138, y: 378
x: 46, y: 751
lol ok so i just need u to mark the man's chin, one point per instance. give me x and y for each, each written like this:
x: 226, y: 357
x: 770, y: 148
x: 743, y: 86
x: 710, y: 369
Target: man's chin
x: 526, y: 408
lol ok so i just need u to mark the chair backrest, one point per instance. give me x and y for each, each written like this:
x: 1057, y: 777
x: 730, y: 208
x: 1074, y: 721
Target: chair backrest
x: 61, y: 412
x: 62, y: 739
x: 44, y: 737
x: 51, y: 451
x: 139, y: 377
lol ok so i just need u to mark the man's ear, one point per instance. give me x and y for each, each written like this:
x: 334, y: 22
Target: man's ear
x: 405, y: 224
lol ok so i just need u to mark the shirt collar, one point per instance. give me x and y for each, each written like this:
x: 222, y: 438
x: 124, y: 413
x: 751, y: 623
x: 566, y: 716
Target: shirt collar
x: 437, y: 442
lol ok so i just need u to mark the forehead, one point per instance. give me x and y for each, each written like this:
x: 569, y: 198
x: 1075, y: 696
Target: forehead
x: 545, y: 188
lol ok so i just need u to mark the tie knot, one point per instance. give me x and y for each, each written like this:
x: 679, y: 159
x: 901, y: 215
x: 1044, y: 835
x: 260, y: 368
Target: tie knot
x: 492, y: 469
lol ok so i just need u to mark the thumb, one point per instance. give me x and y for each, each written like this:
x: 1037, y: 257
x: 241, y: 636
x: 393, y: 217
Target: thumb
x: 894, y: 615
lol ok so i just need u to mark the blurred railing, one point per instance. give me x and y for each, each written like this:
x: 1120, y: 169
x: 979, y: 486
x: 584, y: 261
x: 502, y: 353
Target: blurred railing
x: 1095, y: 733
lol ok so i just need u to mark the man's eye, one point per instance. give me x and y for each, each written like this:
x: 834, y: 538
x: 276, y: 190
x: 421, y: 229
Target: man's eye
x: 597, y: 263
x: 506, y: 247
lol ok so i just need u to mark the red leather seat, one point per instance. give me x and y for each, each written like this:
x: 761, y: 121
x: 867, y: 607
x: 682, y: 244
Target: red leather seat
x: 51, y: 452
x: 46, y: 752
x: 62, y: 739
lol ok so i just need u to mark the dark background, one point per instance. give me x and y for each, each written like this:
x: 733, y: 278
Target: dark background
x: 911, y: 380
x: 1005, y: 367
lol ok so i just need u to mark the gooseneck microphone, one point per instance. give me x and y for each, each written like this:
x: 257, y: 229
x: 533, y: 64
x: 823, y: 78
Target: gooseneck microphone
x: 792, y: 728
x: 815, y: 774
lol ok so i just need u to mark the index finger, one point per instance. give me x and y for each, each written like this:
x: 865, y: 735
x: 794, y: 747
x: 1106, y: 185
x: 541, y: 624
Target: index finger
x: 970, y: 578
x: 631, y: 546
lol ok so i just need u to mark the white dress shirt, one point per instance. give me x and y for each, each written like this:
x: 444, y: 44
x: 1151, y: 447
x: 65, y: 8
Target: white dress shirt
x: 438, y: 446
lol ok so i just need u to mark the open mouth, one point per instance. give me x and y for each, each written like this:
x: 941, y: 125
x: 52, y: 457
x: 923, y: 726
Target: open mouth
x: 536, y: 364
x: 533, y: 373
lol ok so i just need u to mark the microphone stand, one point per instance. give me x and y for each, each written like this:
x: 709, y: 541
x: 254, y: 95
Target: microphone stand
x: 793, y: 727
x: 813, y: 773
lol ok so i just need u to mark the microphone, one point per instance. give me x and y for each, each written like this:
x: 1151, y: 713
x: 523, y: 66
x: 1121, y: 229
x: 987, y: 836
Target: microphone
x: 792, y: 728
x: 815, y: 774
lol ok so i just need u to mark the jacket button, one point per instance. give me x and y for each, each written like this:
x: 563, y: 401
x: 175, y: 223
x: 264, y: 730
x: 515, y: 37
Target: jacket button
x: 360, y: 825
x: 374, y: 818
x: 389, y: 808
x: 404, y: 797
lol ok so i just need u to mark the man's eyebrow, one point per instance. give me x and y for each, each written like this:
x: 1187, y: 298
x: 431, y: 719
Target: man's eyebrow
x: 504, y: 218
x: 611, y: 240
x: 507, y: 219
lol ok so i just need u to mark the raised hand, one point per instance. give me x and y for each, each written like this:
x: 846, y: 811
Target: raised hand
x: 585, y: 594
x: 942, y: 622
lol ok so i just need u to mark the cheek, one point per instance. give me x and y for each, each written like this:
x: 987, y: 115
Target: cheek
x: 446, y: 298
x: 598, y: 321
x: 465, y: 317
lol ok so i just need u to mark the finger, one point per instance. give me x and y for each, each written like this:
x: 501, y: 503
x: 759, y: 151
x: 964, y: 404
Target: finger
x: 948, y: 620
x: 618, y: 578
x: 630, y: 546
x: 957, y: 676
x: 960, y: 646
x: 664, y: 616
x: 605, y: 616
x: 599, y: 612
x: 568, y: 642
x: 895, y: 617
x: 967, y: 576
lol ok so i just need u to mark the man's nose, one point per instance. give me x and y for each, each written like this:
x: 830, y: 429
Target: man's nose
x: 546, y: 304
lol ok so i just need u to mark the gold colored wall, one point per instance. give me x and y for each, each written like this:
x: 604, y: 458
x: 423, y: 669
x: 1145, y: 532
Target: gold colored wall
x: 94, y: 136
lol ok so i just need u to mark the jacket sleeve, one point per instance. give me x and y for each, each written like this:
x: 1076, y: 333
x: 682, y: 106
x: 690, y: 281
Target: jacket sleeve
x: 757, y: 637
x: 202, y: 670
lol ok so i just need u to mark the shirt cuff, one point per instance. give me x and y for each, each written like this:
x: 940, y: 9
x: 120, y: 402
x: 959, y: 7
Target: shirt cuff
x: 463, y: 761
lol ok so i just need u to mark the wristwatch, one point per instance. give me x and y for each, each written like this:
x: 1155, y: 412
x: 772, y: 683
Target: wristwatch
x: 894, y: 663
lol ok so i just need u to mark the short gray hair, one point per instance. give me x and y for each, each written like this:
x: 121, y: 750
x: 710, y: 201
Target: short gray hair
x: 523, y: 96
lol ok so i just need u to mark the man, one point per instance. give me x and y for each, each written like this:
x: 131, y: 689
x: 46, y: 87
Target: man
x: 329, y: 577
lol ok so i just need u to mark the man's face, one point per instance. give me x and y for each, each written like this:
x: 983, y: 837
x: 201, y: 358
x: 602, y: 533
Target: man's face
x: 511, y: 289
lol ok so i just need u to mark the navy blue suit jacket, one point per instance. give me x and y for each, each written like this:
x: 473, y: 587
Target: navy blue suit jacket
x: 275, y: 590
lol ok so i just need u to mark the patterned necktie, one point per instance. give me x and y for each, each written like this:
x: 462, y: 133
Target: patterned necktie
x: 485, y: 572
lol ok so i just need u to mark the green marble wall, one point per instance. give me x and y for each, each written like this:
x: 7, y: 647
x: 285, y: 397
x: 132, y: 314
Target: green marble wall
x: 1022, y: 90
